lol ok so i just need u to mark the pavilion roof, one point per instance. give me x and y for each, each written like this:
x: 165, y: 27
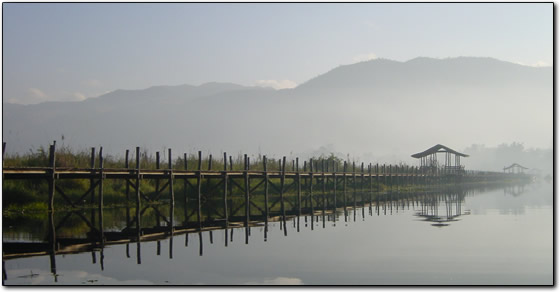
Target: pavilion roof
x: 515, y: 165
x: 437, y: 148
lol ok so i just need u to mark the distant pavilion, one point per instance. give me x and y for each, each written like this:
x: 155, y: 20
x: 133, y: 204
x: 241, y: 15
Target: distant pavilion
x: 515, y: 168
x: 429, y: 162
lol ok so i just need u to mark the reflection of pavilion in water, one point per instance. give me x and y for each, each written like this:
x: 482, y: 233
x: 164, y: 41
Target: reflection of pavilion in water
x: 94, y: 241
x: 514, y: 190
x: 431, y: 208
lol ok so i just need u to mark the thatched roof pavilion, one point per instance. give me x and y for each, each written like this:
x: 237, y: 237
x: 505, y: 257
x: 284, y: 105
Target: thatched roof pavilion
x: 428, y: 158
x: 515, y: 168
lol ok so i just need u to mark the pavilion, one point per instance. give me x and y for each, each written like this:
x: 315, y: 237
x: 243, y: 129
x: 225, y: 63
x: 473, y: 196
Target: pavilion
x: 429, y: 162
x: 515, y: 168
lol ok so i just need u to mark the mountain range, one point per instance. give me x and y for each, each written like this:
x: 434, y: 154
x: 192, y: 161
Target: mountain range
x: 375, y: 110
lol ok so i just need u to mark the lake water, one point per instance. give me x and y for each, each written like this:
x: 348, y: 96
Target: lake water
x: 500, y: 236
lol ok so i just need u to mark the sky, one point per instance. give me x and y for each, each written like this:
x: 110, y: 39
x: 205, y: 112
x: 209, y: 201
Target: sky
x: 69, y: 52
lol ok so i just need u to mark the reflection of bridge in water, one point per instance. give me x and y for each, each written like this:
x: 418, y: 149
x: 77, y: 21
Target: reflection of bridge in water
x: 219, y: 199
x: 428, y: 205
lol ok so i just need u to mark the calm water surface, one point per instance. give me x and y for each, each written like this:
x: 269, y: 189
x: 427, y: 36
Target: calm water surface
x: 496, y: 237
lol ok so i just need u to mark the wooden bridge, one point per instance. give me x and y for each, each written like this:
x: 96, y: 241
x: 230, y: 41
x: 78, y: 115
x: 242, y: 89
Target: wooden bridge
x: 226, y: 197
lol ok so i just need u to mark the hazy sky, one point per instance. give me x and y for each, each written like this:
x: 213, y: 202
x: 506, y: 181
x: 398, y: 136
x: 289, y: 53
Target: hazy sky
x: 74, y: 51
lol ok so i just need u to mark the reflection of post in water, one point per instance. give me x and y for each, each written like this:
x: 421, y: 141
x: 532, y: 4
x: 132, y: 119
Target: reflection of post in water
x: 4, y: 274
x: 101, y: 258
x: 200, y: 243
x: 226, y: 236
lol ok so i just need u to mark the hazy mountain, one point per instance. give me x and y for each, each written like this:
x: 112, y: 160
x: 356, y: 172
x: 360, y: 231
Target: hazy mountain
x: 370, y: 110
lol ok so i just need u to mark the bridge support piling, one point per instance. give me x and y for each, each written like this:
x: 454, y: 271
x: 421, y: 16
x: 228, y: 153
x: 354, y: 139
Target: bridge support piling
x: 101, y: 236
x: 199, y: 190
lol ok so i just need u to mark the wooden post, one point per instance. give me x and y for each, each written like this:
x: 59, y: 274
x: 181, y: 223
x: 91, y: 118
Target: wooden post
x: 52, y: 170
x: 157, y: 179
x: 305, y: 184
x: 377, y: 179
x: 185, y: 185
x: 362, y: 185
x: 344, y: 191
x: 323, y: 180
x: 334, y: 190
x: 91, y: 180
x: 282, y: 180
x: 225, y: 193
x: 138, y: 190
x: 265, y: 168
x: 127, y: 190
x: 52, y: 228
x: 370, y: 188
x: 199, y: 190
x: 138, y: 225
x: 247, y: 190
x: 101, y: 237
x: 311, y: 190
x: 298, y: 177
x: 208, y: 187
x: 354, y: 187
x: 171, y: 197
